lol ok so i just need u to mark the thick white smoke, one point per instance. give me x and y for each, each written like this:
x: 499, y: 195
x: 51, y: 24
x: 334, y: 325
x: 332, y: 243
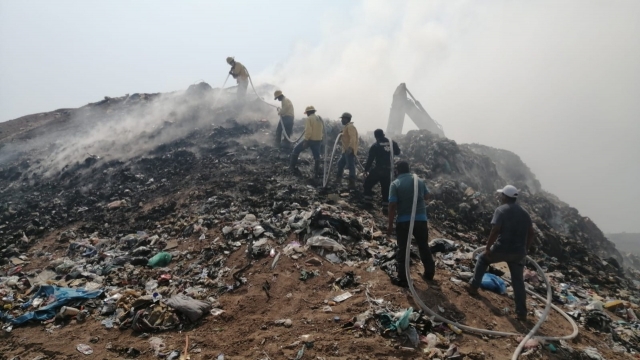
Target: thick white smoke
x: 555, y: 82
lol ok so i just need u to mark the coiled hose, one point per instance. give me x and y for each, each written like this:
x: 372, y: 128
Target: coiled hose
x: 545, y: 314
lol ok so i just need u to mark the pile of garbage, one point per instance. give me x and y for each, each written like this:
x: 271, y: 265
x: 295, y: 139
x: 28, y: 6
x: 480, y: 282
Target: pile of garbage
x: 145, y: 243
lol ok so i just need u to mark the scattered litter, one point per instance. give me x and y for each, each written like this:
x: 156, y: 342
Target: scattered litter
x: 191, y: 308
x: 306, y: 274
x: 342, y: 297
x: 493, y: 283
x: 325, y: 242
x: 85, y: 349
x: 216, y: 312
x: 157, y: 345
x: 161, y: 259
x: 347, y: 281
x: 284, y: 322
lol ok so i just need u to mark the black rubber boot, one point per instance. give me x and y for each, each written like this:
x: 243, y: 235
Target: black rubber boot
x: 352, y: 184
x: 293, y: 161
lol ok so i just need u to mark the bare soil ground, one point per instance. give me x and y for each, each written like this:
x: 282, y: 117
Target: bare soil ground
x: 246, y: 330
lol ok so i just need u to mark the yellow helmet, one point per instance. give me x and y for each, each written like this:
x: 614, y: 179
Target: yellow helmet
x: 309, y: 108
x: 229, y: 60
x: 276, y: 94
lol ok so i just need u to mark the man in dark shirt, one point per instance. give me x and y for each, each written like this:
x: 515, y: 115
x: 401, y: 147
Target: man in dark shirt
x: 511, y: 236
x: 380, y: 152
x: 401, y: 197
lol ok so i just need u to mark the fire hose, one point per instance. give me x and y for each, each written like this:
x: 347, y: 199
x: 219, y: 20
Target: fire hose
x: 284, y: 130
x: 327, y: 172
x: 545, y: 314
x: 218, y: 96
x: 325, y: 178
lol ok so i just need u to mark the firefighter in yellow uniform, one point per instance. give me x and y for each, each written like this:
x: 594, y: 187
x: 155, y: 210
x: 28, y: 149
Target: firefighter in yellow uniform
x: 349, y: 150
x: 240, y: 73
x: 313, y: 135
x: 286, y: 119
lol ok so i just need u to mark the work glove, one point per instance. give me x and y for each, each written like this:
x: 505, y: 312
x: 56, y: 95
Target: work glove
x: 278, y: 109
x: 305, y: 144
x: 349, y: 151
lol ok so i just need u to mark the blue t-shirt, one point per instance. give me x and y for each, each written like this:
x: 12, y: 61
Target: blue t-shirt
x: 401, y: 192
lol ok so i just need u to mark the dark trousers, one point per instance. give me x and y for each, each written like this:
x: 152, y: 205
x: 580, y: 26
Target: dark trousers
x: 315, y: 150
x: 288, y: 128
x: 516, y: 267
x: 382, y: 176
x: 348, y: 160
x: 421, y: 234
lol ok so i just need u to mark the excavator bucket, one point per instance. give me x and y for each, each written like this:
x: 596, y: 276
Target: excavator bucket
x: 402, y: 105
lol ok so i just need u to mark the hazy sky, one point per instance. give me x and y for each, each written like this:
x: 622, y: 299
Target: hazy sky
x: 557, y: 82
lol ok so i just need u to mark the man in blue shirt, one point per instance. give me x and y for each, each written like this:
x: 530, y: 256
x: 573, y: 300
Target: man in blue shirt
x: 511, y: 236
x: 401, y: 202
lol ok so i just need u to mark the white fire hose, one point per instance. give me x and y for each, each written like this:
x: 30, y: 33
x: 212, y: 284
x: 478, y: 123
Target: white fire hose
x: 327, y: 172
x: 218, y: 96
x: 545, y: 314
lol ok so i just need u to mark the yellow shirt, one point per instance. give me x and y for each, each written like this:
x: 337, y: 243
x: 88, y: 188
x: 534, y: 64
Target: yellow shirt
x: 350, y: 138
x: 287, y: 107
x: 239, y: 72
x: 313, y: 129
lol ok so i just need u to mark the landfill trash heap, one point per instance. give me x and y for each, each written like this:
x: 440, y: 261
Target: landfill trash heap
x: 149, y: 227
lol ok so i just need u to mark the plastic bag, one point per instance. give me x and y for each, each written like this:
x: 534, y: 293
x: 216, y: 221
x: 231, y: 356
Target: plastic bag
x: 160, y: 260
x: 403, y: 322
x: 412, y: 334
x: 191, y: 308
x: 325, y: 242
x: 493, y: 283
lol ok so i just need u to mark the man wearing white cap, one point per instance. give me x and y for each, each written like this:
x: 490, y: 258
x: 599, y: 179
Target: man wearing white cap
x: 511, y: 236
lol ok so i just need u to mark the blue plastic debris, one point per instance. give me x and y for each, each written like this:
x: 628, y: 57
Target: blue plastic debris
x: 493, y: 283
x: 62, y: 297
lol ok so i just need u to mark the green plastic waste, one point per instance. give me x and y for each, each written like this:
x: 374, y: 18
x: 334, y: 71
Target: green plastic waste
x: 160, y: 260
x: 403, y: 322
x: 306, y: 274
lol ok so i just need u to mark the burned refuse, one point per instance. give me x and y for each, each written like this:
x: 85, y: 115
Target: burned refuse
x: 203, y: 228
